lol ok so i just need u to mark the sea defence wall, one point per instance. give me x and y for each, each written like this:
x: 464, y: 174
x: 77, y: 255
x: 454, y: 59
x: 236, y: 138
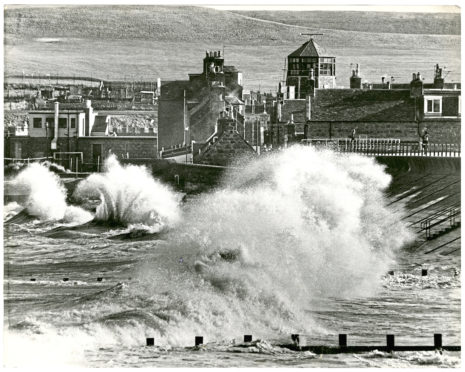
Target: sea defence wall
x: 197, y: 177
x: 440, y: 130
x: 186, y: 177
x: 396, y: 165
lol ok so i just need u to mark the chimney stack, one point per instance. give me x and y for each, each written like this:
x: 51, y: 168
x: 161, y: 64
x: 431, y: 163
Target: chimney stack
x: 355, y: 79
x: 416, y: 86
x: 89, y: 120
x: 438, y: 78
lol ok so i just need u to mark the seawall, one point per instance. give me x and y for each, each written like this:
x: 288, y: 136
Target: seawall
x: 198, y: 178
x: 396, y: 165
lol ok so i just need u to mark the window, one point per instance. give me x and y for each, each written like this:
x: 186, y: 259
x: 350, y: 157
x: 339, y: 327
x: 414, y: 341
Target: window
x: 50, y: 122
x: 433, y: 105
x: 326, y: 69
x: 73, y: 123
x: 62, y: 123
x: 37, y: 122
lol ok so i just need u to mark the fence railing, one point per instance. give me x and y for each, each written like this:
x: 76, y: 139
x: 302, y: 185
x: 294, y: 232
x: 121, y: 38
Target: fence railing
x: 175, y: 151
x: 387, y: 147
x: 450, y: 214
x: 8, y: 161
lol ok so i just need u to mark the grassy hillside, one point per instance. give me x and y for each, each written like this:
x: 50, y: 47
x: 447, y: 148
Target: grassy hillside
x: 146, y: 42
x: 384, y: 22
x: 165, y: 23
x: 161, y: 23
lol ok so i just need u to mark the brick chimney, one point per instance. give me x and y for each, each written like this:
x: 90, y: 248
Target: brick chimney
x: 438, y: 78
x: 416, y: 86
x: 355, y: 79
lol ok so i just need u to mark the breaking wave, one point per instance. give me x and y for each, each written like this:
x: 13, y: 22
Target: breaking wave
x: 129, y: 195
x: 46, y: 195
x: 282, y: 233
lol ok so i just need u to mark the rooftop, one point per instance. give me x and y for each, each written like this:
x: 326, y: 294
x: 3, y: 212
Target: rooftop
x: 309, y: 49
x: 352, y: 105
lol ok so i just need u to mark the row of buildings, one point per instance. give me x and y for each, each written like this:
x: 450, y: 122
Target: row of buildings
x: 208, y: 119
x: 308, y: 105
x: 80, y: 138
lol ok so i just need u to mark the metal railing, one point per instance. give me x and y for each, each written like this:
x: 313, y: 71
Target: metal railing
x: 8, y: 161
x: 387, y: 147
x: 448, y: 214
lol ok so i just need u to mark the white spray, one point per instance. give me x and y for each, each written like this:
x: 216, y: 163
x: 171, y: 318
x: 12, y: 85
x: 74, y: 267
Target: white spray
x: 46, y: 195
x: 129, y: 195
x: 284, y: 232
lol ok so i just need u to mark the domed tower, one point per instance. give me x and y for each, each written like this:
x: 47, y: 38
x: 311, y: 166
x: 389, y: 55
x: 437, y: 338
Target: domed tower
x: 310, y: 67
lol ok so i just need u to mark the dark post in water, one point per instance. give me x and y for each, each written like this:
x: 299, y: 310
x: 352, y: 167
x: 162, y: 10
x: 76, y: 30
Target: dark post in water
x: 390, y: 342
x: 198, y: 340
x: 247, y: 338
x: 438, y: 341
x: 150, y: 341
x: 342, y: 340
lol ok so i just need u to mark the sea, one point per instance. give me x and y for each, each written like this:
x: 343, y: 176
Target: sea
x: 303, y: 241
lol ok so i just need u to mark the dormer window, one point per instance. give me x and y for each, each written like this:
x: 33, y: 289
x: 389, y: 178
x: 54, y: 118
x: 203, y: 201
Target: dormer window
x: 433, y: 105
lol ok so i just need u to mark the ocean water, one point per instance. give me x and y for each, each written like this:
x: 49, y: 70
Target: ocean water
x: 298, y: 242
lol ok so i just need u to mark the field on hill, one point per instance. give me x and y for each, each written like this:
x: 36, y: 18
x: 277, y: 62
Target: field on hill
x: 142, y: 43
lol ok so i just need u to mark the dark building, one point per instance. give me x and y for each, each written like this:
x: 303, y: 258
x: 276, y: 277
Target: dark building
x: 189, y: 109
x: 384, y: 110
x: 309, y: 67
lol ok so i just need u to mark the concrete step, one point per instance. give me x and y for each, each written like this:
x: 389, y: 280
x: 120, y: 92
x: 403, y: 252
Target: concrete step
x: 443, y: 231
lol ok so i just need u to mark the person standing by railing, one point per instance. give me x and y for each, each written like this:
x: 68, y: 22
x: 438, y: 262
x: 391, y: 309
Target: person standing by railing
x: 352, y: 139
x: 425, y: 140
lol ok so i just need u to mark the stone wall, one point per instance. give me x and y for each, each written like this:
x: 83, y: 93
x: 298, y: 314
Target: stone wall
x: 134, y: 147
x: 36, y: 147
x: 440, y: 131
x: 185, y: 177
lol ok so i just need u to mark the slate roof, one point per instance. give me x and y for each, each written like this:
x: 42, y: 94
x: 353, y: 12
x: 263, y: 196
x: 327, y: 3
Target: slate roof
x: 100, y: 124
x: 362, y: 105
x: 309, y: 49
x: 353, y: 105
x: 229, y: 146
x: 296, y: 107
